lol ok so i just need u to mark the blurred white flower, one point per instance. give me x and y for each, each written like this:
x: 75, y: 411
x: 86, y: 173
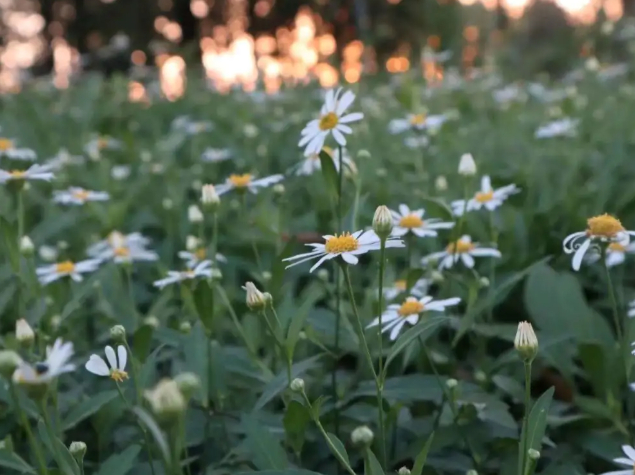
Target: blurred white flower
x: 396, y: 316
x: 418, y: 141
x: 311, y: 163
x: 628, y: 461
x: 563, y: 127
x: 467, y: 165
x: 331, y: 121
x: 464, y: 250
x: 246, y: 182
x: 191, y: 127
x: 194, y: 214
x: 64, y: 158
x: 8, y: 149
x: 419, y: 288
x: 195, y: 256
x: 34, y: 172
x: 407, y: 220
x: 122, y: 248
x: 78, y: 196
x: 487, y: 197
x: 216, y: 154
x: 120, y: 172
x: 202, y: 269
x: 117, y: 369
x: 51, y: 273
x: 97, y: 145
x: 56, y: 363
x: 417, y: 122
x: 47, y: 253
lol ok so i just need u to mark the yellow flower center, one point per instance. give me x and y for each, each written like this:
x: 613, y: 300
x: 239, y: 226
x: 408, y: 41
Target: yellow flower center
x: 240, y: 181
x: 342, y: 243
x: 411, y: 221
x: 418, y: 119
x: 121, y: 251
x: 410, y: 307
x: 118, y: 375
x: 604, y: 226
x: 187, y: 274
x: 17, y: 174
x: 484, y: 196
x: 400, y: 284
x: 617, y: 247
x: 102, y: 143
x: 81, y: 195
x: 329, y: 121
x: 6, y: 144
x: 200, y: 254
x: 65, y: 267
x: 459, y: 247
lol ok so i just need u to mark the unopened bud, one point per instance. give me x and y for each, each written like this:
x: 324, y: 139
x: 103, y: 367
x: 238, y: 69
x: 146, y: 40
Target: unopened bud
x: 403, y: 471
x: 471, y: 472
x: 266, y: 276
x: 363, y: 154
x: 297, y: 385
x: 167, y: 203
x: 188, y: 384
x: 467, y: 167
x: 436, y: 276
x: 194, y: 214
x: 77, y: 450
x: 255, y: 299
x: 526, y: 342
x: 382, y: 222
x: 209, y: 197
x: 118, y: 333
x: 26, y: 246
x: 192, y: 243
x: 362, y: 436
x: 166, y: 401
x: 185, y: 327
x: 151, y: 321
x: 441, y: 184
x: 24, y: 333
x: 451, y: 383
x: 9, y: 361
x: 323, y: 274
x: 278, y: 189
x: 533, y: 454
x: 216, y: 274
x: 484, y: 282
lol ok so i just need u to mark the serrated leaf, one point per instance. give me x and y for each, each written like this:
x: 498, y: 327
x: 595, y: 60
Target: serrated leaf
x: 329, y: 172
x: 87, y: 408
x: 422, y: 331
x: 266, y: 451
x: 371, y: 464
x: 15, y: 462
x: 422, y: 457
x: 120, y: 463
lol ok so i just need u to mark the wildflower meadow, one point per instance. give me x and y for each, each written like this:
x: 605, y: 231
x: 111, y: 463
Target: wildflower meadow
x: 387, y: 277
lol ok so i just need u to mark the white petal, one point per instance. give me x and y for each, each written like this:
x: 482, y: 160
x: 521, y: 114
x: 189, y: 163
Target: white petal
x: 629, y: 452
x: 404, y: 210
x: 485, y: 252
x: 345, y: 101
x: 97, y: 365
x: 123, y: 357
x: 354, y: 117
x: 467, y: 260
x: 396, y: 329
x: 110, y: 356
x: 350, y: 258
x: 579, y: 254
x: 486, y: 184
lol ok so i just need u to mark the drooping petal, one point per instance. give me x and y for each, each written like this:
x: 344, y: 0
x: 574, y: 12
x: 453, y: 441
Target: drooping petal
x: 350, y: 258
x: 396, y: 329
x: 468, y: 260
x: 344, y: 103
x: 579, y: 254
x: 97, y: 365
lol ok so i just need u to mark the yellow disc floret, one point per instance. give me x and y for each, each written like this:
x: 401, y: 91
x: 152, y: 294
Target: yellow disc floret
x: 81, y: 195
x: 418, y: 119
x: 200, y: 254
x: 118, y: 375
x: 410, y: 307
x: 604, y: 226
x: 484, y: 196
x: 459, y: 247
x: 617, y: 247
x: 122, y: 251
x: 345, y: 242
x: 328, y: 121
x: 240, y: 181
x: 400, y: 284
x: 17, y: 174
x: 66, y: 267
x: 5, y: 144
x: 411, y: 221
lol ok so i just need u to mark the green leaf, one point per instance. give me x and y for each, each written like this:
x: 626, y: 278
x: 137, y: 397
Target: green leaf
x: 9, y: 233
x: 296, y: 420
x: 150, y: 424
x: 413, y: 276
x: 204, y: 300
x: 299, y: 317
x: 420, y: 461
x: 65, y: 461
x: 280, y: 472
x: 280, y: 382
x: 15, y: 462
x: 533, y: 433
x: 120, y: 463
x: 266, y: 451
x: 340, y: 450
x: 371, y: 464
x: 329, y: 172
x: 422, y: 330
x: 44, y: 435
x: 195, y: 348
x: 142, y: 341
x: 87, y: 408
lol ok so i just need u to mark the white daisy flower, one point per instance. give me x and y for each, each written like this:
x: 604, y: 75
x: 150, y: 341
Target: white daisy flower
x: 312, y: 163
x: 94, y: 148
x: 604, y: 229
x: 53, y: 272
x: 563, y: 127
x: 117, y: 369
x: 509, y: 94
x: 196, y: 256
x: 331, y: 121
x: 191, y: 127
x: 417, y: 122
x: 418, y: 141
x: 78, y: 196
x: 488, y: 197
x: 347, y: 245
x: 120, y: 172
x: 407, y: 220
x: 419, y: 289
x: 628, y: 461
x: 122, y: 249
x: 246, y: 182
x: 615, y: 254
x: 464, y: 250
x: 56, y: 363
x: 216, y: 154
x: 64, y: 158
x: 396, y: 316
x: 34, y: 172
x: 8, y: 149
x: 202, y: 269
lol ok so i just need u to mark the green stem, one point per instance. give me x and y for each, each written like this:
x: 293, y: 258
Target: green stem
x: 215, y: 238
x: 616, y: 315
x: 523, y: 455
x: 459, y: 228
x: 338, y: 289
x: 358, y: 321
x: 253, y: 236
x: 128, y: 272
x: 380, y: 385
x: 20, y: 214
x: 35, y: 445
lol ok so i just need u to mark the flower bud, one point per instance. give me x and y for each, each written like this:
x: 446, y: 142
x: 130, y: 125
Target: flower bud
x: 441, y: 183
x: 216, y: 274
x: 451, y: 383
x: 167, y: 203
x: 151, y: 321
x: 471, y: 472
x: 47, y: 253
x: 436, y: 276
x: 192, y: 243
x: 77, y: 450
x: 266, y: 276
x: 403, y: 471
x: 194, y: 214
x: 9, y: 361
x: 362, y: 435
x: 526, y: 342
x: 363, y: 154
x: 166, y: 401
x: 209, y: 197
x: 484, y: 282
x: 118, y: 334
x: 533, y: 454
x: 26, y: 246
x: 467, y: 167
x: 382, y: 222
x: 323, y: 274
x: 297, y: 385
x: 188, y: 384
x: 255, y: 299
x: 278, y: 189
x: 185, y: 327
x: 24, y: 333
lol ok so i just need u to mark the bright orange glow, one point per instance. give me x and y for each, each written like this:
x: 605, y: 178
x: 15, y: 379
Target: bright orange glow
x: 138, y: 58
x: 172, y: 77
x: 199, y: 8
